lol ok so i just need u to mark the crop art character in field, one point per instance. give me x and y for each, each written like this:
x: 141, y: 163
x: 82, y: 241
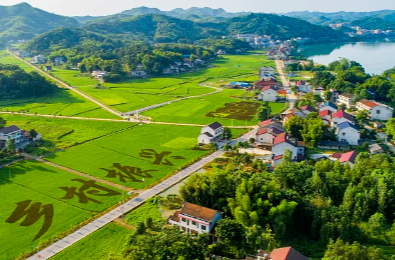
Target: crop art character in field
x: 32, y: 214
x: 89, y: 187
x: 128, y: 172
x: 159, y: 157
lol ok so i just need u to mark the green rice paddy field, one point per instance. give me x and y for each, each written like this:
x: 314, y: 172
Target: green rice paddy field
x: 33, y: 184
x: 156, y: 150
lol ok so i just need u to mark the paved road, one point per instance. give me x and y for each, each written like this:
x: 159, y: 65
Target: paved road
x: 291, y: 97
x: 109, y: 109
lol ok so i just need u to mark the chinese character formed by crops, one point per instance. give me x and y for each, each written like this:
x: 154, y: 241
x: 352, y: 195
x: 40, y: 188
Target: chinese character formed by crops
x: 32, y: 214
x: 89, y: 187
x: 159, y: 157
x: 128, y: 172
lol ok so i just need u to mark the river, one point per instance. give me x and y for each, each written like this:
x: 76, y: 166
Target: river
x: 375, y: 56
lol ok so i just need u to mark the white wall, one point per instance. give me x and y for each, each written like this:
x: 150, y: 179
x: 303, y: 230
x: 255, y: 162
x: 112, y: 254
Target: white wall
x: 381, y: 113
x: 268, y: 95
x: 349, y: 134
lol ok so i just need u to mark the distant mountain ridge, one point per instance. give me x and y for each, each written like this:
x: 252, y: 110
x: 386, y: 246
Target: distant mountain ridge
x: 322, y: 18
x: 22, y: 21
x: 205, y: 14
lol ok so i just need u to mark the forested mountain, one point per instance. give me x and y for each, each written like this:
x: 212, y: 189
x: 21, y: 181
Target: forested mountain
x: 372, y: 23
x: 338, y: 17
x: 23, y: 21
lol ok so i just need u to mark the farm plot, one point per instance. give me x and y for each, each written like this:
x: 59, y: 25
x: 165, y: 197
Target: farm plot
x: 39, y: 202
x: 134, y: 158
x: 205, y: 110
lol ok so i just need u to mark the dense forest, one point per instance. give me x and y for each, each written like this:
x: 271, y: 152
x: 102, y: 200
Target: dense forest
x: 22, y: 21
x: 373, y: 23
x: 17, y: 83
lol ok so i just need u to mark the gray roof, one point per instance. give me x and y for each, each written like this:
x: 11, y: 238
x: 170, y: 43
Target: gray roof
x: 9, y: 129
x: 215, y: 125
x: 334, y: 143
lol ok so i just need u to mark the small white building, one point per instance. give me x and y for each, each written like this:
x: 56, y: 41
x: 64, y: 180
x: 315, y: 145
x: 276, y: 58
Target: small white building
x: 377, y: 111
x: 99, y: 74
x: 195, y: 219
x: 210, y: 133
x: 306, y: 88
x: 281, y: 143
x: 16, y: 135
x: 318, y: 90
x: 341, y: 117
x: 59, y: 60
x: 347, y: 132
x: 346, y: 99
x: 39, y: 59
x: 138, y: 73
x: 266, y: 71
x: 268, y: 93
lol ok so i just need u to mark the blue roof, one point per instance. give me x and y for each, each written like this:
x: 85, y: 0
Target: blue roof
x: 330, y: 104
x: 186, y: 55
x: 345, y: 125
x: 243, y: 84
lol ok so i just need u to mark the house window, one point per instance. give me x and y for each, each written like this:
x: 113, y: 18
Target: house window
x: 204, y: 227
x: 183, y: 219
x: 378, y: 111
x: 194, y: 223
x: 344, y: 134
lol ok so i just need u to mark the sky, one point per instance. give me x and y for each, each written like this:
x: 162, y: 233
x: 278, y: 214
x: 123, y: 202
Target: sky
x: 106, y: 7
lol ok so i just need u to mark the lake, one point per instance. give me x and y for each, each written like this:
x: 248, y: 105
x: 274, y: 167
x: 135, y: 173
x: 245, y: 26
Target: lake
x: 375, y: 57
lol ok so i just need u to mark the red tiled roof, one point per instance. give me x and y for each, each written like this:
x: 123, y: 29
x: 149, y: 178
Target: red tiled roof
x: 301, y: 144
x: 262, y: 131
x: 369, y: 103
x: 199, y: 212
x: 343, y: 114
x: 308, y: 108
x: 281, y: 138
x: 289, y: 116
x: 268, y: 87
x: 325, y: 113
x: 283, y: 92
x: 336, y: 155
x: 349, y: 157
x: 263, y: 123
x: 278, y: 157
x: 286, y: 253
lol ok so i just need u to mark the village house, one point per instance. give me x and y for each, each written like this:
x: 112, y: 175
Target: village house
x: 375, y: 148
x: 307, y: 110
x: 198, y: 62
x: 377, y: 111
x: 264, y: 83
x: 348, y: 132
x: 349, y: 158
x: 346, y: 99
x: 15, y: 134
x: 195, y: 219
x: 138, y: 73
x: 221, y: 52
x: 238, y: 85
x: 266, y: 71
x: 341, y: 117
x: 328, y: 106
x: 281, y: 143
x: 23, y: 54
x: 334, y: 145
x: 288, y: 117
x: 306, y: 88
x: 268, y: 77
x: 284, y: 253
x: 210, y: 133
x: 264, y: 136
x: 334, y: 95
x: 99, y: 74
x: 39, y: 59
x: 268, y: 93
x: 326, y: 117
x: 318, y: 90
x: 59, y: 60
x: 48, y: 68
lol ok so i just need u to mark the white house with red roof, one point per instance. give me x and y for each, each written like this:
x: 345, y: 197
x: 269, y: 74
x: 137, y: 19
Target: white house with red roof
x: 268, y: 93
x: 347, y: 132
x: 281, y: 143
x: 284, y: 253
x: 210, y: 133
x: 341, y: 117
x: 264, y: 136
x: 346, y: 99
x: 195, y: 219
x: 377, y: 110
x: 349, y: 158
x: 326, y: 117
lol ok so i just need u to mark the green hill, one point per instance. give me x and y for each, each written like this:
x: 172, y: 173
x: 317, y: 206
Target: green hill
x: 23, y: 21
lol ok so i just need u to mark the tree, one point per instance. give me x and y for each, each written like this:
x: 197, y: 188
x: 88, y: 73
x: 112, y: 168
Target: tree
x: 265, y: 111
x: 377, y: 224
x: 3, y: 122
x: 227, y: 133
x: 362, y: 116
x: 391, y: 127
x: 10, y: 145
x: 344, y: 251
x: 140, y: 229
x: 33, y: 133
x: 214, y: 146
x: 149, y: 222
x: 294, y: 126
x: 226, y: 147
x: 342, y: 106
x: 327, y: 95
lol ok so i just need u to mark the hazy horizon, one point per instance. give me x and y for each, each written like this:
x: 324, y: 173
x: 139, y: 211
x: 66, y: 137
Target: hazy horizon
x: 94, y: 8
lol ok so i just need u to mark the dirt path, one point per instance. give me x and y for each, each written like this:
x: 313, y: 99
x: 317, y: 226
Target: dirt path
x: 111, y: 110
x: 122, y: 223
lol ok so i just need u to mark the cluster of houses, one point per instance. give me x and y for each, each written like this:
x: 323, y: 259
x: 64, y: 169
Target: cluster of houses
x: 18, y: 136
x: 357, y: 31
x: 195, y: 219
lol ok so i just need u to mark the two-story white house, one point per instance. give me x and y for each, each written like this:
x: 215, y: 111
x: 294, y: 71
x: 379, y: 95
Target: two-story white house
x: 99, y: 74
x: 281, y: 143
x: 266, y: 71
x: 347, y: 132
x: 377, y: 110
x: 11, y: 132
x: 346, y: 99
x: 138, y: 73
x: 264, y: 136
x: 341, y: 117
x: 210, y: 133
x: 39, y: 59
x: 195, y: 219
x: 268, y: 93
